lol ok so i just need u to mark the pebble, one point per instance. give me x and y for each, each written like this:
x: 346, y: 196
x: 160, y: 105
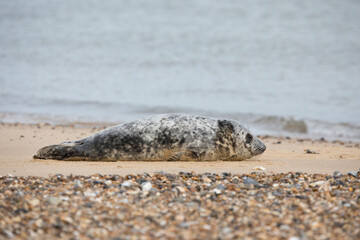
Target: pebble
x: 337, y: 174
x: 78, y: 185
x: 318, y: 183
x: 53, y: 201
x: 127, y: 184
x: 146, y: 186
x: 308, y: 151
x: 181, y: 206
x: 221, y: 187
x: 248, y: 180
x: 108, y: 183
x: 217, y: 191
x: 352, y: 173
x: 325, y: 186
x: 34, y: 202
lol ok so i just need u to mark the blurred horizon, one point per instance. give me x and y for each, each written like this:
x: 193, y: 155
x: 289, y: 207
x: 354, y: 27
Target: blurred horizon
x: 281, y: 68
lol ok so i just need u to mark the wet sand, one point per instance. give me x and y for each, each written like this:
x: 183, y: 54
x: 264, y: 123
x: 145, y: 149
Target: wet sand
x: 18, y: 143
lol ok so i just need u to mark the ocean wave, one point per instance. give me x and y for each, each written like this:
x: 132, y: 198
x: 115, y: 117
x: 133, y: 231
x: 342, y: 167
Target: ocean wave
x: 263, y: 125
x: 284, y: 124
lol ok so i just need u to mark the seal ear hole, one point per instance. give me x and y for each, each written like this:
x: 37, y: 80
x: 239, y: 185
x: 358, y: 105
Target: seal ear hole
x: 248, y: 138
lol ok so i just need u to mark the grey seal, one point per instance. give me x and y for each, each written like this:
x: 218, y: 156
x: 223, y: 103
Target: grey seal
x: 167, y: 137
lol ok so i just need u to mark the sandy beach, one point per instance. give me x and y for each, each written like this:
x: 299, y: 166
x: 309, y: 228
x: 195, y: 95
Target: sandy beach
x: 19, y: 142
x: 308, y: 190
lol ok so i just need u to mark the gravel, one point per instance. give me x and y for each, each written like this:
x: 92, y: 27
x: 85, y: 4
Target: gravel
x: 181, y: 206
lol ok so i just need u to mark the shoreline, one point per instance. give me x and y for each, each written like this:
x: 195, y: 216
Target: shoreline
x: 18, y: 143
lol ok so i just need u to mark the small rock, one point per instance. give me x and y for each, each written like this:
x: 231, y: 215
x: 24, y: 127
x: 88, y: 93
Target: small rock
x: 127, y: 184
x: 318, y: 183
x: 34, y: 202
x: 53, y: 201
x: 235, y: 179
x: 206, y: 227
x: 108, y: 183
x: 226, y: 230
x: 188, y: 224
x: 180, y: 218
x: 337, y: 174
x: 248, y: 180
x: 146, y: 186
x: 207, y: 180
x: 308, y: 151
x: 352, y: 173
x: 89, y: 193
x: 221, y: 187
x: 294, y: 238
x: 38, y: 223
x: 217, y: 191
x: 325, y: 187
x: 181, y: 189
x: 8, y: 234
x: 124, y: 200
x: 78, y: 185
x: 66, y: 219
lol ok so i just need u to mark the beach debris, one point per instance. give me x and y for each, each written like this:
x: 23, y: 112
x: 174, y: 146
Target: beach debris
x: 259, y: 168
x: 308, y: 151
x: 292, y: 205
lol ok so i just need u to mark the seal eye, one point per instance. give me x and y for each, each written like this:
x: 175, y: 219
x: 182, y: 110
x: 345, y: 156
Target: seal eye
x: 248, y: 138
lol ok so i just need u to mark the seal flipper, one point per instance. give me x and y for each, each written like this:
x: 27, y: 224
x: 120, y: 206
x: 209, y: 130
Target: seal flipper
x: 62, y: 151
x: 187, y: 155
x: 176, y: 156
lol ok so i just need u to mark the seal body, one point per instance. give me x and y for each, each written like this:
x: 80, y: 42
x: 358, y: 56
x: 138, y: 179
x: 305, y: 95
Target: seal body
x: 169, y: 137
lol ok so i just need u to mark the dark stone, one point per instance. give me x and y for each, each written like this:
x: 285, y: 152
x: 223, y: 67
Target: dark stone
x: 337, y: 174
x: 248, y: 180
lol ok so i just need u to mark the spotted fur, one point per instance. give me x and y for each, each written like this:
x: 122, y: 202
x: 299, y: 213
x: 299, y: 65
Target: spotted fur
x: 169, y: 137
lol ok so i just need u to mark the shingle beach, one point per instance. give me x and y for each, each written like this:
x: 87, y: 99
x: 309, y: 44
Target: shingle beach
x: 181, y: 206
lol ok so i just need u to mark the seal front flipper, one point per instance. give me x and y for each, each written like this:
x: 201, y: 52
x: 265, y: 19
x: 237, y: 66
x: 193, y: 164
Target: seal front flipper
x: 176, y: 156
x: 187, y: 155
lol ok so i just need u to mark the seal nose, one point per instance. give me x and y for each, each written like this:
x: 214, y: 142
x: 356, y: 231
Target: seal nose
x: 263, y: 147
x: 260, y: 147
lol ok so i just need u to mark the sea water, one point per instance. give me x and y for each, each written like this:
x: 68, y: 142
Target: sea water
x: 288, y: 68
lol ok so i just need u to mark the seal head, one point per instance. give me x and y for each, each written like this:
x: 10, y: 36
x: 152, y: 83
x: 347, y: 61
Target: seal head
x: 236, y: 141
